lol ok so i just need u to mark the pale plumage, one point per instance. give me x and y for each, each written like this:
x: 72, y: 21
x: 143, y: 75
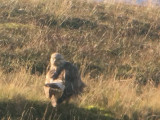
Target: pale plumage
x: 63, y: 77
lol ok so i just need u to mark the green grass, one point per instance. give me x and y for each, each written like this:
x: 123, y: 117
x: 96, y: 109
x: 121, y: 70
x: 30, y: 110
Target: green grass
x: 41, y: 110
x: 114, y: 45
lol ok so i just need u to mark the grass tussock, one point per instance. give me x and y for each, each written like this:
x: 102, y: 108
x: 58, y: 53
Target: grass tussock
x: 114, y: 45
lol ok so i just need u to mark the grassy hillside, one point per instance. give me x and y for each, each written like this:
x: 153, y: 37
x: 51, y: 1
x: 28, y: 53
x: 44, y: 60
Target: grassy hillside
x: 114, y: 45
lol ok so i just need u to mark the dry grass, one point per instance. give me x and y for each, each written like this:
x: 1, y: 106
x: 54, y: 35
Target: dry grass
x: 118, y: 99
x: 115, y: 46
x: 124, y: 98
x: 21, y: 84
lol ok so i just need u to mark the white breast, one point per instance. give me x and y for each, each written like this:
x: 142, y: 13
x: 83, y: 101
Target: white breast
x: 59, y: 83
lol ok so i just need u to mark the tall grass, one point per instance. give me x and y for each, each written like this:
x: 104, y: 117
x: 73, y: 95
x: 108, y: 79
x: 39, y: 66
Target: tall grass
x: 22, y: 92
x: 114, y: 45
x: 124, y: 98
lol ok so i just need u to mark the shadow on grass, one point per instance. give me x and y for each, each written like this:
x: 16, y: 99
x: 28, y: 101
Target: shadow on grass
x: 76, y: 23
x: 35, y: 110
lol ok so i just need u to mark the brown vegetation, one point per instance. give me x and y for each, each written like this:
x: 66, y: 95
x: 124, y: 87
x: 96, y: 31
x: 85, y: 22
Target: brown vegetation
x: 115, y: 46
